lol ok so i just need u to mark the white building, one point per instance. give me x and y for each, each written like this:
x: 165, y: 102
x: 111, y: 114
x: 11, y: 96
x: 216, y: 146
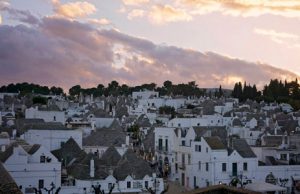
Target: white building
x: 205, y: 120
x: 47, y: 116
x: 32, y: 166
x: 51, y: 136
x: 156, y: 103
x: 144, y: 94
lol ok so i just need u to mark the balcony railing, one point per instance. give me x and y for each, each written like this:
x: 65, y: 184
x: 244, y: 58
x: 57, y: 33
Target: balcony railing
x: 163, y: 149
x: 181, y: 166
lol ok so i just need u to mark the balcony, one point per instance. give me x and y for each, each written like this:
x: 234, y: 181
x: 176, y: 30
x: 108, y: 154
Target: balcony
x: 163, y: 150
x: 181, y: 166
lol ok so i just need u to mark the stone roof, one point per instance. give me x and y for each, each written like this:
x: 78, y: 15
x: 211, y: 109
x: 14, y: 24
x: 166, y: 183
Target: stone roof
x: 69, y: 150
x: 149, y: 141
x: 131, y: 165
x: 115, y: 125
x: 110, y: 157
x: 219, y: 131
x: 242, y: 147
x: 272, y: 141
x: 81, y: 169
x: 215, y: 143
x: 7, y: 153
x: 143, y: 122
x: 237, y: 122
x: 47, y: 126
x: 7, y: 183
x: 283, y: 116
x: 4, y: 135
x: 105, y: 137
x: 31, y: 149
x: 22, y: 124
x: 290, y: 126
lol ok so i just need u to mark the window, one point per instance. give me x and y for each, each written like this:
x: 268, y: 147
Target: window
x: 195, y: 182
x: 137, y: 185
x: 54, y: 118
x: 160, y: 143
x: 128, y: 184
x: 41, y: 183
x: 283, y: 156
x: 199, y: 165
x: 42, y: 159
x: 179, y: 125
x: 183, y: 143
x: 198, y: 148
x: 206, y: 166
x: 166, y: 144
x: 183, y: 159
x: 198, y: 124
x: 223, y: 167
x: 109, y: 185
x: 245, y: 166
x: 189, y: 159
x: 176, y: 156
x: 176, y: 168
x: 206, y: 150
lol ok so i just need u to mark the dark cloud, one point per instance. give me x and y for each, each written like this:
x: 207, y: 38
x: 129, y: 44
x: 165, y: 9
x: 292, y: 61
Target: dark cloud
x: 56, y: 51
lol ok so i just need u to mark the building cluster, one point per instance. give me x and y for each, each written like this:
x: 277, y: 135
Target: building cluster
x: 133, y: 144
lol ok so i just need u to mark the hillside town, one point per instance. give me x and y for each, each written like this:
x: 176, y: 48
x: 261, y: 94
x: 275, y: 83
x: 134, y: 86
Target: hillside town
x: 146, y: 143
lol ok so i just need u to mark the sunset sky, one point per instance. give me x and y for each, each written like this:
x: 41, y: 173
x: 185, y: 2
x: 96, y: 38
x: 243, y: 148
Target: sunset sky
x: 64, y: 42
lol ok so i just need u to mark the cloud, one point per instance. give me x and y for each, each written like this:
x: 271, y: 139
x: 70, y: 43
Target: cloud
x: 279, y: 37
x: 72, y: 10
x: 64, y: 52
x: 135, y: 13
x: 160, y: 14
x: 3, y: 6
x: 101, y: 21
x: 286, y: 8
x: 135, y: 2
x: 22, y: 16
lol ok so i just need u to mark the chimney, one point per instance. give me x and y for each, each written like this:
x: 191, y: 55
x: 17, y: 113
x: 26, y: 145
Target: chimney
x: 154, y: 175
x: 14, y: 133
x: 127, y: 140
x: 92, y: 98
x: 93, y: 125
x: 3, y: 148
x: 92, y: 168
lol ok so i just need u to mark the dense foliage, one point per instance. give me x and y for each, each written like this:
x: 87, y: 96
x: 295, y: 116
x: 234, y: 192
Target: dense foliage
x: 26, y: 88
x: 115, y: 89
x: 167, y: 110
x: 276, y: 90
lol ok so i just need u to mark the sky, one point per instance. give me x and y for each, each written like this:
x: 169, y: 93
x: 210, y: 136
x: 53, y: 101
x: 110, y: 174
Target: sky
x: 87, y: 42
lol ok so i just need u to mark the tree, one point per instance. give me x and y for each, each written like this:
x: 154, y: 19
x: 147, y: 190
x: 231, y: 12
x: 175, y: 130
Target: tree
x: 168, y: 84
x: 75, y: 90
x: 39, y: 100
x: 220, y: 92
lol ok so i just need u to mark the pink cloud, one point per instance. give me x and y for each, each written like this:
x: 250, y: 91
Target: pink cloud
x: 61, y: 52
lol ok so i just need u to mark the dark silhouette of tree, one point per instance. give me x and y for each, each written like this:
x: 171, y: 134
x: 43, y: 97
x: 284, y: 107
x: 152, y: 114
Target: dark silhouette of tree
x: 75, y: 90
x: 39, y: 100
x: 97, y: 189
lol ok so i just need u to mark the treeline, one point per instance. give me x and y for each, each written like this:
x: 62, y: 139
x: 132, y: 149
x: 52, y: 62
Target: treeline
x: 115, y: 89
x: 275, y: 91
x: 26, y: 88
x: 245, y: 92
